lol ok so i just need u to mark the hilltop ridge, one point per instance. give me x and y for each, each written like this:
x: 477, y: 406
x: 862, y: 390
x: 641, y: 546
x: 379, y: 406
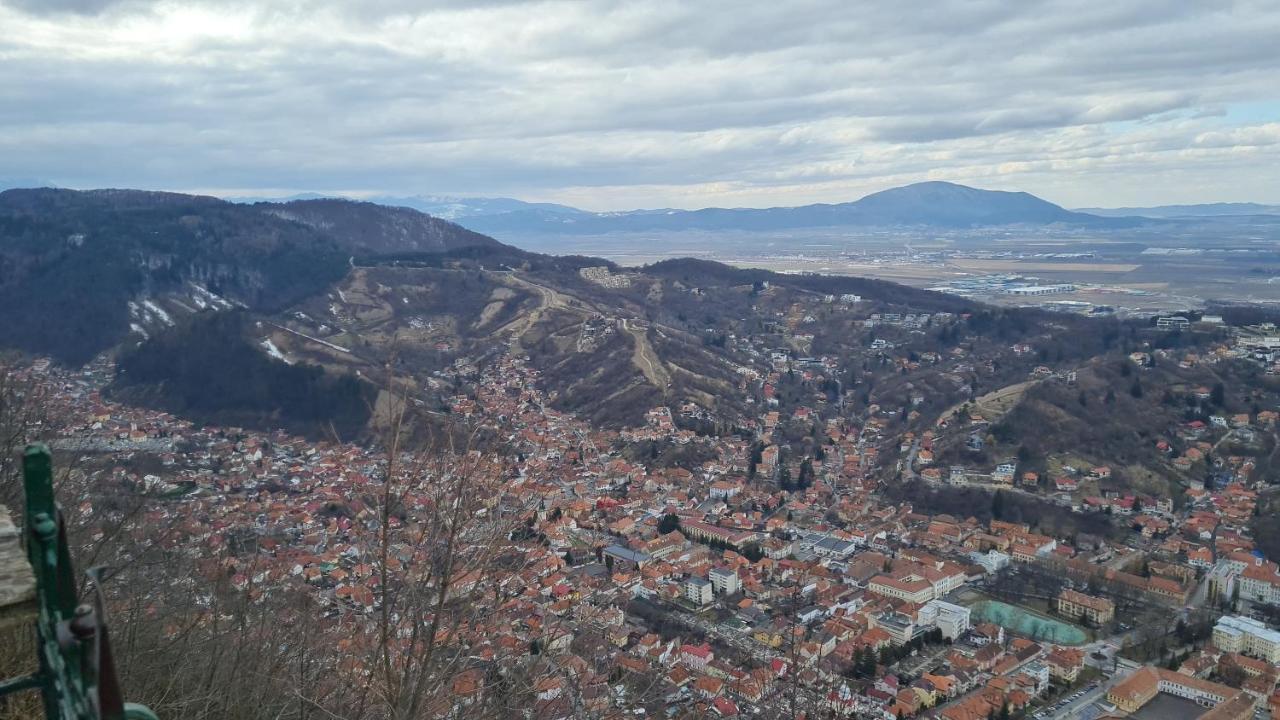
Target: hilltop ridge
x: 355, y: 288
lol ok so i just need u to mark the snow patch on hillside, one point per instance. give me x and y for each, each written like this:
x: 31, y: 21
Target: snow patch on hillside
x: 274, y: 351
x: 204, y: 298
x: 158, y: 312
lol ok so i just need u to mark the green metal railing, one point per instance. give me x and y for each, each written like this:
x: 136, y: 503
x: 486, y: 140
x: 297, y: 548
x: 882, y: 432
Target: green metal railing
x: 77, y: 678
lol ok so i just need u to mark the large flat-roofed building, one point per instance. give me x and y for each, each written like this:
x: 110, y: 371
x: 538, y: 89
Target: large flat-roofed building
x: 901, y: 628
x: 1076, y: 604
x: 625, y: 558
x: 1247, y: 636
x: 1175, y: 322
x: 833, y: 547
x: 1032, y: 290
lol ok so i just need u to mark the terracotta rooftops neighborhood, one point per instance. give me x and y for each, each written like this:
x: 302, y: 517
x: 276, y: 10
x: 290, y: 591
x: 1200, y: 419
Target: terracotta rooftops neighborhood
x: 740, y: 579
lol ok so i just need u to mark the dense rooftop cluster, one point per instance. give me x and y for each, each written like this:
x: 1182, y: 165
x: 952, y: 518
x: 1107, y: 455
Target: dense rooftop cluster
x: 711, y: 588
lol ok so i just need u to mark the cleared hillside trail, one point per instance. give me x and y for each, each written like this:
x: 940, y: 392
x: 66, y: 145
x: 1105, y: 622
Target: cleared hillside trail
x: 997, y: 402
x: 646, y: 359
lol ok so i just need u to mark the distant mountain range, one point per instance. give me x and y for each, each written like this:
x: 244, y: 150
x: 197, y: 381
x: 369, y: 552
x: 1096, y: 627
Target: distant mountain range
x: 933, y: 204
x: 926, y: 204
x: 1187, y: 211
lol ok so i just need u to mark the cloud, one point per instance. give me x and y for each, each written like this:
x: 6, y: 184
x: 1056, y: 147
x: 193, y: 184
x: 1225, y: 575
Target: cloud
x: 82, y: 7
x: 658, y: 103
x: 1253, y: 136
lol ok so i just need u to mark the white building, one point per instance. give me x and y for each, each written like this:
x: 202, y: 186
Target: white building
x: 901, y: 628
x: 725, y: 581
x: 1004, y: 473
x: 992, y: 561
x: 697, y: 591
x: 724, y: 490
x: 1204, y: 694
x: 951, y: 619
x: 1235, y: 633
x: 1039, y: 673
x: 1222, y: 580
x: 1260, y: 583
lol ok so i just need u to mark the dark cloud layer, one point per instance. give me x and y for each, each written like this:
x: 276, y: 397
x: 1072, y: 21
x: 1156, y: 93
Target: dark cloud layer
x: 658, y: 103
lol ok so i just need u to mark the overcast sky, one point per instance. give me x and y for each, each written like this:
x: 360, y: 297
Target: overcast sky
x: 608, y: 105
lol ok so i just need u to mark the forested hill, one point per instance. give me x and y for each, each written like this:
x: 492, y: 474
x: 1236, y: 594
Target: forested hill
x: 77, y: 268
x: 378, y: 229
x: 206, y: 369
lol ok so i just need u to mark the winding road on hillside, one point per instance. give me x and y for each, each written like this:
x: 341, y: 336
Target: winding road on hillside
x: 548, y: 299
x: 644, y: 357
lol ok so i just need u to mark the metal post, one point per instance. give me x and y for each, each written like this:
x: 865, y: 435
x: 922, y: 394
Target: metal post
x: 77, y: 678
